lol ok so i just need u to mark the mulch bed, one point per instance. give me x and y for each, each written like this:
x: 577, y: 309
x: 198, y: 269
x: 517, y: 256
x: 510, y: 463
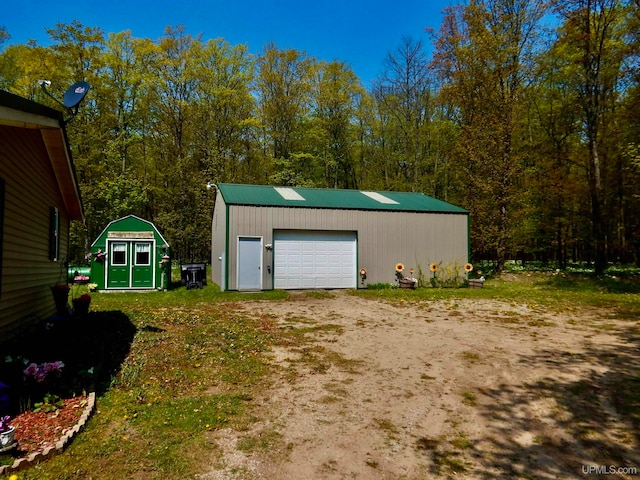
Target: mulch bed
x: 37, y: 431
x: 92, y: 349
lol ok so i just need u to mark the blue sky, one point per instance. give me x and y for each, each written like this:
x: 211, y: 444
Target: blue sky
x: 359, y: 32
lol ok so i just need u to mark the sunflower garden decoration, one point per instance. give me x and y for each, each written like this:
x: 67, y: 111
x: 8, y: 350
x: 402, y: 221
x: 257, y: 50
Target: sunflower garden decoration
x: 404, y: 282
x: 474, y: 282
x: 434, y: 267
x: 363, y: 275
x: 399, y: 270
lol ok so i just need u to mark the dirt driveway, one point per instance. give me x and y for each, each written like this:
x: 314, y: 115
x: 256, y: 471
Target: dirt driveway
x: 464, y: 389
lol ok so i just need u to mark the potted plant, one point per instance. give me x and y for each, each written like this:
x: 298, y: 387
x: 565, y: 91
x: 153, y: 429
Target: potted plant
x: 7, y: 434
x: 60, y: 297
x: 81, y: 304
x: 100, y: 256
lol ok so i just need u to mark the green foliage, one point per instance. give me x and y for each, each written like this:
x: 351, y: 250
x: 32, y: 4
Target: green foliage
x: 50, y: 404
x: 537, y: 143
x: 450, y: 275
x: 422, y: 279
x: 113, y: 198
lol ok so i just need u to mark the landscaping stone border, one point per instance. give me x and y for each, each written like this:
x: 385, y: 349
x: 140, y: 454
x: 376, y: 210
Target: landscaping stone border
x: 61, y: 444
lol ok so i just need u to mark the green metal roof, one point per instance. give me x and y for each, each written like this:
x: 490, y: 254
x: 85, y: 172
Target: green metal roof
x: 268, y: 196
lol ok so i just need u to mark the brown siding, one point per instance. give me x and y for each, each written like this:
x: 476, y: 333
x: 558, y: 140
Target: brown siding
x: 384, y: 238
x: 30, y: 190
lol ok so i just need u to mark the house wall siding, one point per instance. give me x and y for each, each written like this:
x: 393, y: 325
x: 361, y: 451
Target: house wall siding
x: 30, y: 192
x: 415, y: 239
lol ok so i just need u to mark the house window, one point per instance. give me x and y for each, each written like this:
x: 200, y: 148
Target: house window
x: 118, y: 254
x: 142, y: 253
x: 54, y: 234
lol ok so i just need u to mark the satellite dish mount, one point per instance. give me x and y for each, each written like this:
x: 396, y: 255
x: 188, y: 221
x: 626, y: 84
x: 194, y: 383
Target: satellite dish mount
x: 72, y: 97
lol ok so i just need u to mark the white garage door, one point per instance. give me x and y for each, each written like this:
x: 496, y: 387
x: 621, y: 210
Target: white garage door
x: 312, y: 259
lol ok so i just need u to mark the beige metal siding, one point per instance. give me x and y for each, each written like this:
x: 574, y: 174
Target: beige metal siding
x: 218, y: 241
x: 384, y: 238
x: 30, y: 191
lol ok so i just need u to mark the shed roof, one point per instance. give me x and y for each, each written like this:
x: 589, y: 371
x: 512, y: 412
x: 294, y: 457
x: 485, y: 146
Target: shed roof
x: 296, y: 197
x: 127, y: 223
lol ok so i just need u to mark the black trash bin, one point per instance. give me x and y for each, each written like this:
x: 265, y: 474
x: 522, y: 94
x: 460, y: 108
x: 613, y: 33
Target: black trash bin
x: 193, y: 275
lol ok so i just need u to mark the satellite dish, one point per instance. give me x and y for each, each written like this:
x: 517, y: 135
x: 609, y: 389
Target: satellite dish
x: 74, y: 94
x: 72, y: 97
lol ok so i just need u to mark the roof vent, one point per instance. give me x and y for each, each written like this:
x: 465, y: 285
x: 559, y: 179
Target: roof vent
x: 288, y: 193
x: 379, y: 198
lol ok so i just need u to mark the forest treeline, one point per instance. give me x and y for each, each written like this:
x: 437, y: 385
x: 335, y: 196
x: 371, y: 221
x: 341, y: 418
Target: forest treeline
x: 525, y: 113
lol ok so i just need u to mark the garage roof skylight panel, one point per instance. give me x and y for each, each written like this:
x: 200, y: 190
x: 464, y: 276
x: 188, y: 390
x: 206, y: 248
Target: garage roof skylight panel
x: 288, y: 193
x: 379, y: 198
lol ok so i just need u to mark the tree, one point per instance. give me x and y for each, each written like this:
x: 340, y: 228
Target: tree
x: 594, y: 42
x: 4, y: 35
x: 284, y: 90
x: 335, y: 100
x: 225, y: 111
x: 177, y: 182
x: 126, y: 85
x: 553, y: 182
x: 484, y: 53
x: 405, y: 92
x: 77, y: 54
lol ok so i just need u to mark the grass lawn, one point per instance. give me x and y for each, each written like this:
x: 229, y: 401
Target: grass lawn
x: 190, y: 362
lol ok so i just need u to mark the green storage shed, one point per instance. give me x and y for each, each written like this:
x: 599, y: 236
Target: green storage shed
x: 130, y: 254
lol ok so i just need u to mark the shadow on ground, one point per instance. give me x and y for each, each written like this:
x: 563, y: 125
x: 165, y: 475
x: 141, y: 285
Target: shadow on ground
x: 585, y: 421
x: 92, y: 348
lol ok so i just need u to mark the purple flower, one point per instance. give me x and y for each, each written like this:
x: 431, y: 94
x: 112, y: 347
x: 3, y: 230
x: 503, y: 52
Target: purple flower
x: 31, y: 370
x: 41, y: 373
x: 4, y: 423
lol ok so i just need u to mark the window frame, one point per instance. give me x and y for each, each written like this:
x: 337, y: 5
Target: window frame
x: 147, y: 251
x: 113, y: 252
x: 54, y: 234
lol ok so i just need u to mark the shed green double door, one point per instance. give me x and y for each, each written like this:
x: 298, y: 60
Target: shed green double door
x: 130, y: 265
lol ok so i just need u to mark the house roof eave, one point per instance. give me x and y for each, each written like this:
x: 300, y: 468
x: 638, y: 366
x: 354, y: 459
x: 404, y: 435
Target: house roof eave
x: 19, y: 112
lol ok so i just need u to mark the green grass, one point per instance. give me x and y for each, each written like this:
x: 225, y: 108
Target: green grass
x: 192, y: 367
x: 461, y: 442
x: 549, y: 290
x: 195, y: 359
x: 469, y: 398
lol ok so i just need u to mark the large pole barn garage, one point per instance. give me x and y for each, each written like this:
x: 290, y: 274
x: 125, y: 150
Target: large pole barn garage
x: 266, y: 237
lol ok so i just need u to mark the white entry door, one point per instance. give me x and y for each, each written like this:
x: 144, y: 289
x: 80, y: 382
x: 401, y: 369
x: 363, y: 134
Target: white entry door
x: 249, y: 263
x: 314, y: 259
